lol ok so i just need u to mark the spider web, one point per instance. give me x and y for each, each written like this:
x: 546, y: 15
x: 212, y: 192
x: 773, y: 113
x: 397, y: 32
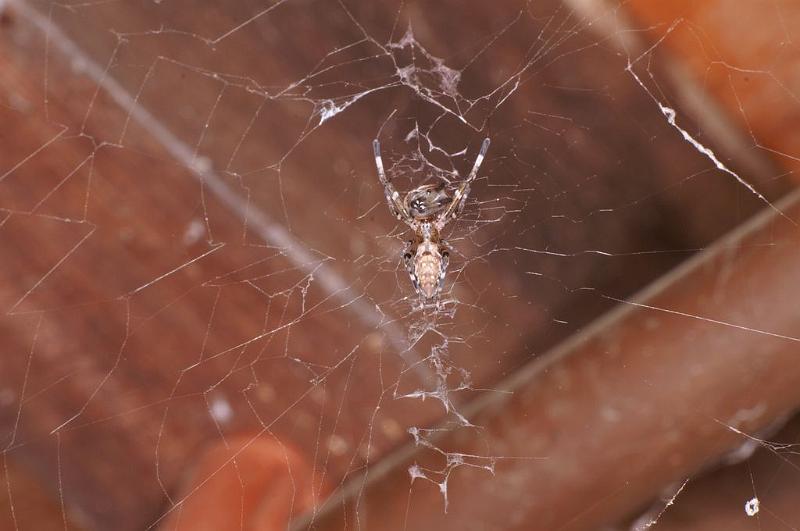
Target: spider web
x: 197, y: 246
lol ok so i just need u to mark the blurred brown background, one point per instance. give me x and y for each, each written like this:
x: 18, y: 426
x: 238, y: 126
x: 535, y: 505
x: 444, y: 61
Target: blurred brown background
x: 206, y: 325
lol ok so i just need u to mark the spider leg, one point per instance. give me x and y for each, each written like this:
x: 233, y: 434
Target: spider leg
x: 392, y: 196
x: 408, y: 260
x: 445, y: 262
x: 460, y: 196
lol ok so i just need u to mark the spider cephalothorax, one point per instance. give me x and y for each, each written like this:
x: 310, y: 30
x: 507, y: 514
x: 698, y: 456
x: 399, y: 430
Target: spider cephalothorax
x: 427, y: 209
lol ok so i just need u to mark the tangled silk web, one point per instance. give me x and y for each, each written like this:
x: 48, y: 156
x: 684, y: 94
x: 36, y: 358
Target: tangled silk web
x: 272, y: 237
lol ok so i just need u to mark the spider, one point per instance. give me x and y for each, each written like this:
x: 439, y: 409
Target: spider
x: 427, y: 209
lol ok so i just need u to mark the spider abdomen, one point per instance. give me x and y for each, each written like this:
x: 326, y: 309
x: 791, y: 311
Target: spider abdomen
x: 428, y: 268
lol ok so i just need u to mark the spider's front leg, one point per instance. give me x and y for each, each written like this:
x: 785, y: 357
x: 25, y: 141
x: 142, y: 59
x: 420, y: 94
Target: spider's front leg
x: 460, y: 196
x: 392, y: 196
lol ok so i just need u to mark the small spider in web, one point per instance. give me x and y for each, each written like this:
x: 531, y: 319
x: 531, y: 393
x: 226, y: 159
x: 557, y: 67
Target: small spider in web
x: 427, y: 209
